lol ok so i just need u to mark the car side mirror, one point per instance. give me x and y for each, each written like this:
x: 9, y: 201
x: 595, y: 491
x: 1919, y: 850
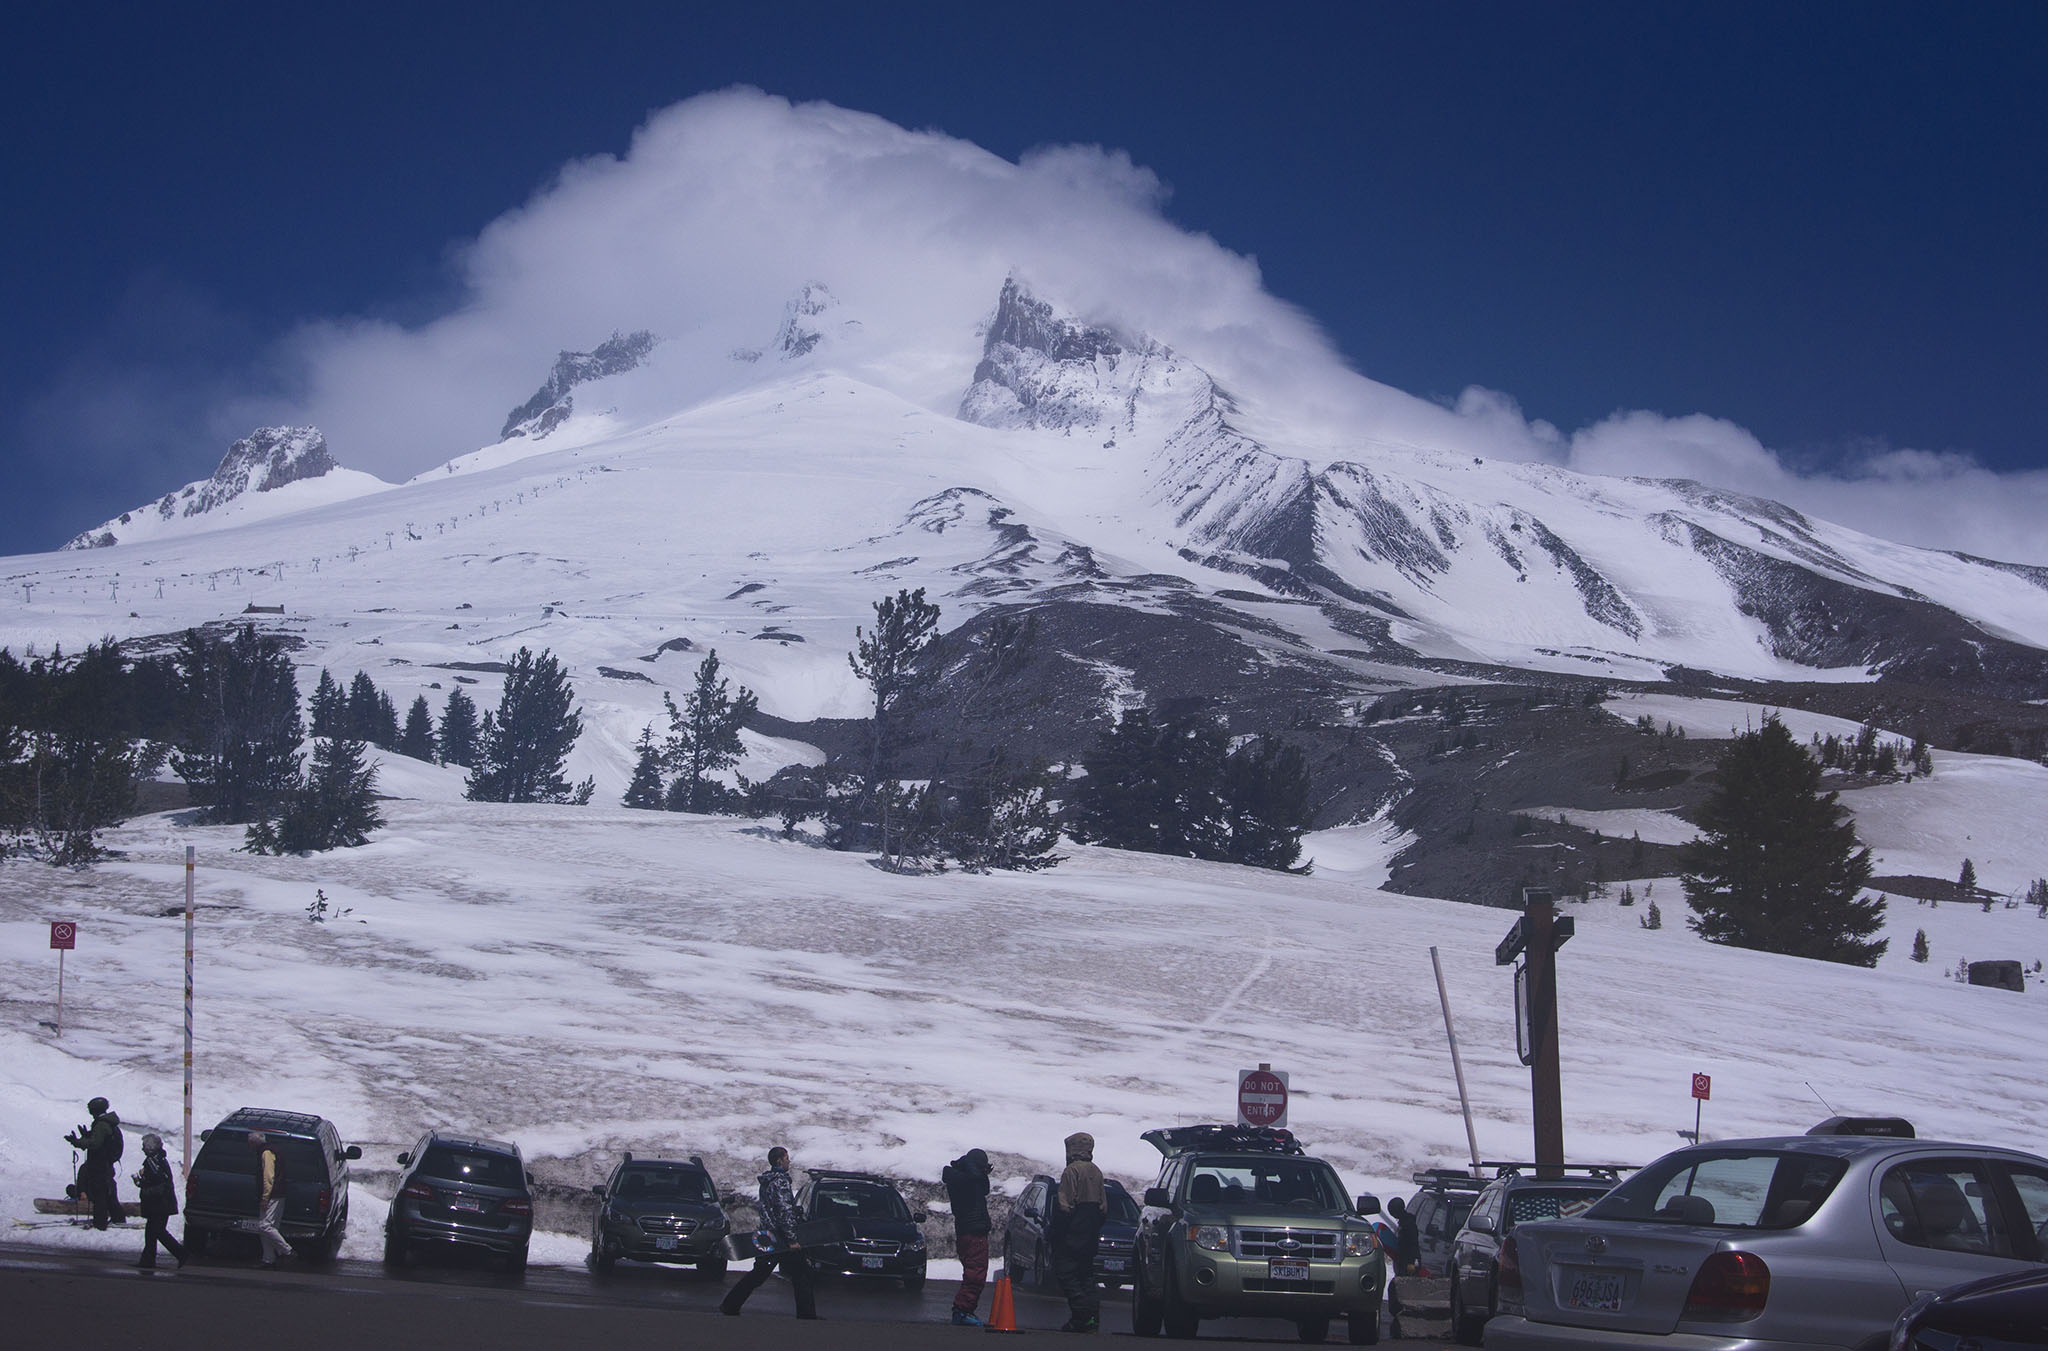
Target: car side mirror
x: 206, y: 1135
x: 1481, y: 1223
x: 598, y: 1190
x: 406, y: 1157
x: 529, y: 1179
x: 1158, y: 1196
x: 352, y: 1152
x: 1368, y: 1204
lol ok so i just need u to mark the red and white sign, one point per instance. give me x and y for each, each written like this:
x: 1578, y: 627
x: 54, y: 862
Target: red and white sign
x: 1262, y: 1097
x: 1703, y: 1086
x: 63, y: 934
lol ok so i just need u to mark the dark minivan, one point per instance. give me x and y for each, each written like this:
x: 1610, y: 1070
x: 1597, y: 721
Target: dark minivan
x: 461, y: 1191
x: 223, y: 1187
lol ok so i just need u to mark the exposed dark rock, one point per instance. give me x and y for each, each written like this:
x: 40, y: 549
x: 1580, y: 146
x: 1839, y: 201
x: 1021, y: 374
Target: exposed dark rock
x: 552, y: 402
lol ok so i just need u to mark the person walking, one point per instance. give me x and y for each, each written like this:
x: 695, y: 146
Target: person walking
x: 157, y: 1195
x: 1407, y: 1260
x: 778, y: 1222
x: 1077, y: 1227
x: 966, y: 1180
x: 269, y: 1199
x: 102, y: 1144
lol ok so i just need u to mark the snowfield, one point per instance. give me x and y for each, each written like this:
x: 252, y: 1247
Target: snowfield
x: 586, y: 980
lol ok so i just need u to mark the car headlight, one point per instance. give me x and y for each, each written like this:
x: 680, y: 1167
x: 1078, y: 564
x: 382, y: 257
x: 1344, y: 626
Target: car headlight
x: 1214, y: 1237
x: 915, y: 1245
x: 1360, y: 1243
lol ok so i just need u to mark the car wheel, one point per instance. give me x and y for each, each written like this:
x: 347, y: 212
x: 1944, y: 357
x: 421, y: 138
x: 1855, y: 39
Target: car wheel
x: 1465, y: 1329
x: 602, y: 1262
x: 1364, y: 1328
x: 915, y: 1281
x: 1144, y: 1302
x: 1312, y: 1329
x: 515, y: 1261
x: 1176, y: 1315
x: 395, y: 1251
x: 713, y: 1267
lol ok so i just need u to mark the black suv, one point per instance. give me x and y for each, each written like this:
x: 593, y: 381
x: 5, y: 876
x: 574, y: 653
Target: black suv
x: 464, y: 1192
x: 1440, y: 1207
x: 223, y: 1187
x: 1514, y: 1196
x: 1027, y: 1249
x: 858, y: 1224
x: 659, y: 1210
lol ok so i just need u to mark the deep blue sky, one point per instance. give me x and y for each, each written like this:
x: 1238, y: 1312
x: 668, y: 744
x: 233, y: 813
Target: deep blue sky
x: 1822, y: 221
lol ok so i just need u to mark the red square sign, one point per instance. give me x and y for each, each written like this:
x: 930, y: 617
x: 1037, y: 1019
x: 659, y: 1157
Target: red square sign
x: 63, y: 934
x: 1702, y: 1086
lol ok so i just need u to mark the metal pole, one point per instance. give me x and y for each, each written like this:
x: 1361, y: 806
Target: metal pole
x: 1457, y: 1064
x: 189, y: 865
x: 1696, y: 1105
x: 60, y: 992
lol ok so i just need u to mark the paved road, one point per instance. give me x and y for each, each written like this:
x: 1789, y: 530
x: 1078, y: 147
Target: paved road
x: 62, y: 1298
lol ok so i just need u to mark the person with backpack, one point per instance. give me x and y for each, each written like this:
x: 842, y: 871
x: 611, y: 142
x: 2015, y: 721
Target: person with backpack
x: 269, y: 1200
x: 966, y: 1180
x: 776, y: 1243
x: 102, y: 1144
x: 1076, y: 1230
x: 158, y: 1201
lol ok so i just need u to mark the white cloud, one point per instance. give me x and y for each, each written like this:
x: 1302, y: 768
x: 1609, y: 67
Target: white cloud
x: 724, y: 205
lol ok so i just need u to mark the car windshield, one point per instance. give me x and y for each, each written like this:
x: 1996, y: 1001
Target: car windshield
x: 858, y: 1201
x: 658, y: 1182
x: 1726, y: 1188
x: 1560, y: 1203
x: 485, y: 1169
x: 1121, y: 1209
x: 1301, y: 1184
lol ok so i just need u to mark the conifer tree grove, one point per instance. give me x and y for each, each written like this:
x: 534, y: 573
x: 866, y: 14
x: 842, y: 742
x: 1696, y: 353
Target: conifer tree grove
x: 525, y: 746
x: 334, y: 807
x: 1777, y: 866
x: 240, y: 735
x: 329, y: 708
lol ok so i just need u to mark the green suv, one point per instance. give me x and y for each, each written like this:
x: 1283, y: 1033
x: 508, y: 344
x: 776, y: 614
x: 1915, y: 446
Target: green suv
x: 1243, y: 1224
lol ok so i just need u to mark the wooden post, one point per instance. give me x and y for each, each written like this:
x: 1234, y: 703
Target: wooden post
x: 1545, y: 1082
x: 189, y: 865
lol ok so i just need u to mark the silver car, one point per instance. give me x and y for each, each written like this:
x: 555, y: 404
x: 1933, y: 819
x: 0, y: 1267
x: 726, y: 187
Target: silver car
x: 1781, y: 1244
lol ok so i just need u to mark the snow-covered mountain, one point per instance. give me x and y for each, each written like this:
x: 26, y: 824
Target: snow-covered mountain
x: 267, y: 460
x: 1084, y: 472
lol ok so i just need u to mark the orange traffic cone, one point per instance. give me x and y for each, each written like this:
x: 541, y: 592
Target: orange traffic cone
x: 1002, y: 1309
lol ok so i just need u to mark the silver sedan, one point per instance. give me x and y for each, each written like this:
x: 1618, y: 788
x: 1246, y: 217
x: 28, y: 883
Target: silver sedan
x: 1780, y: 1244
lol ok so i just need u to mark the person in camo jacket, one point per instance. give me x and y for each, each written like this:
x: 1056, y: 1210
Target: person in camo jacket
x: 778, y: 1222
x: 966, y: 1180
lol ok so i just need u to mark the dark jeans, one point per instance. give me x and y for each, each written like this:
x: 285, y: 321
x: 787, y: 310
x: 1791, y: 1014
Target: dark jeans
x: 1073, y: 1265
x: 793, y: 1266
x: 157, y: 1229
x: 973, y: 1270
x: 97, y: 1182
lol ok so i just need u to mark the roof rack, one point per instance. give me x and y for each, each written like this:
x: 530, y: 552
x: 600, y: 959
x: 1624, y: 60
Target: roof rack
x: 846, y: 1173
x: 1450, y: 1179
x: 274, y: 1118
x: 1886, y: 1127
x: 1172, y: 1140
x: 1609, y: 1171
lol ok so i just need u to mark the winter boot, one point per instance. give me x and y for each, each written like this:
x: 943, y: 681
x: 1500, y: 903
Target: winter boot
x: 964, y: 1319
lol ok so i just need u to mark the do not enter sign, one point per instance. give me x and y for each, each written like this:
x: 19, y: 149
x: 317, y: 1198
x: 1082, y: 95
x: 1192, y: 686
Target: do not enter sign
x: 63, y: 934
x: 1262, y: 1097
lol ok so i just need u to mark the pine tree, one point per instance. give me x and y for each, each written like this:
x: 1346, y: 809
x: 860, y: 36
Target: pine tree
x: 704, y: 737
x: 386, y: 737
x: 885, y: 661
x: 1778, y: 866
x: 361, y: 724
x: 240, y: 736
x: 1002, y: 817
x: 417, y: 740
x: 458, y: 737
x: 645, y: 789
x: 1653, y: 918
x: 1156, y: 786
x: 329, y: 710
x: 335, y: 807
x: 1266, y: 806
x: 1920, y: 945
x: 69, y: 755
x: 1966, y: 882
x: 525, y: 747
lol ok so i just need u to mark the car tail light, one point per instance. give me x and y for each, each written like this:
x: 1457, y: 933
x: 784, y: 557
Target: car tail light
x: 326, y: 1201
x: 515, y: 1208
x: 1422, y: 1272
x: 419, y: 1191
x: 1730, y: 1288
x: 1507, y: 1276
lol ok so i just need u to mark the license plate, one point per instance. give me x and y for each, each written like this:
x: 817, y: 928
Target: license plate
x: 871, y: 1263
x: 1288, y: 1269
x: 465, y: 1203
x: 1599, y: 1291
x: 1115, y: 1264
x: 666, y: 1243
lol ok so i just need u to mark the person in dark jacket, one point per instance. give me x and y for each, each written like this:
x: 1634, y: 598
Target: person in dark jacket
x: 778, y: 1224
x: 1076, y: 1229
x: 966, y: 1180
x: 101, y: 1142
x: 1408, y: 1239
x: 158, y: 1193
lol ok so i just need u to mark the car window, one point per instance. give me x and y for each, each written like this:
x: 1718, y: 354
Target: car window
x: 1944, y: 1204
x: 1560, y: 1203
x: 651, y: 1182
x: 470, y: 1165
x: 1120, y: 1207
x: 858, y: 1201
x: 1726, y: 1188
x: 2032, y: 1186
x: 230, y: 1153
x: 1302, y: 1183
x: 1447, y: 1215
